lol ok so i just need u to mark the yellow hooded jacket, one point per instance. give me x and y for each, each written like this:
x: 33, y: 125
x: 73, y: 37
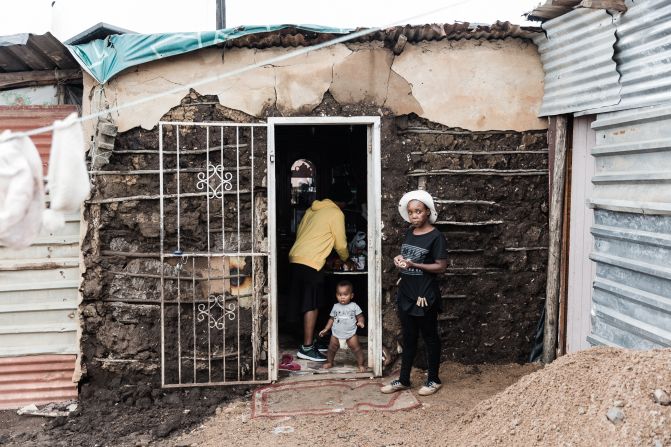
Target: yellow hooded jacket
x: 322, y: 229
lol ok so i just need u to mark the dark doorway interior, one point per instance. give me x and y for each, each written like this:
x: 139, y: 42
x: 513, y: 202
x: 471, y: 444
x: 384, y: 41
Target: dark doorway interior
x: 310, y: 159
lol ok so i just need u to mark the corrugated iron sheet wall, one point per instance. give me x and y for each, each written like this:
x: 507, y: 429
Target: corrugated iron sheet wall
x: 37, y: 379
x: 595, y: 62
x: 39, y: 295
x: 631, y: 301
x: 577, y: 57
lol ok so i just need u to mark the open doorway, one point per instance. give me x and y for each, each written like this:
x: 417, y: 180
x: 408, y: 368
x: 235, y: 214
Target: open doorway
x: 308, y: 160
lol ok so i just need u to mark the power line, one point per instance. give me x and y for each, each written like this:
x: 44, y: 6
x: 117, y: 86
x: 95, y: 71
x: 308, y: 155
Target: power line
x: 270, y: 61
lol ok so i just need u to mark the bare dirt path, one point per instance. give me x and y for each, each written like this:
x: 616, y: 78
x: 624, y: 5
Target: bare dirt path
x: 464, y: 387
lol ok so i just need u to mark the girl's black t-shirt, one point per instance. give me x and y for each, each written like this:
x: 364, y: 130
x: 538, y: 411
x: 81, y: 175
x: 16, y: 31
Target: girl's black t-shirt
x: 422, y: 249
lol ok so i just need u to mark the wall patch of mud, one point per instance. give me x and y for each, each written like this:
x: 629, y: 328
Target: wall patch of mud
x: 495, y: 223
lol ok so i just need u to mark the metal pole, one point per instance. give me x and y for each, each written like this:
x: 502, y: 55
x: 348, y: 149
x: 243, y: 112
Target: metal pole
x: 221, y: 14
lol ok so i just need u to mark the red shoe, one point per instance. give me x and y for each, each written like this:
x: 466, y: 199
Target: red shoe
x: 287, y: 363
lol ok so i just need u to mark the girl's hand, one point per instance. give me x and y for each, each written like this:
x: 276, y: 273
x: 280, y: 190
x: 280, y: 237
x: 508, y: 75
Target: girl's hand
x: 409, y: 264
x: 360, y: 324
x: 400, y: 262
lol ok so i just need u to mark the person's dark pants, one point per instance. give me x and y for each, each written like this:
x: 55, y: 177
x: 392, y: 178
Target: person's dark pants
x: 412, y: 326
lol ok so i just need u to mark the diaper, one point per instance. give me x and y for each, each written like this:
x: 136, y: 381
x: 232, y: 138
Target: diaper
x: 343, y: 343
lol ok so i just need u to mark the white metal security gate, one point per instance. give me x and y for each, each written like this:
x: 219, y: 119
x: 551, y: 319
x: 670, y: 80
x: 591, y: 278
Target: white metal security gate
x: 214, y: 256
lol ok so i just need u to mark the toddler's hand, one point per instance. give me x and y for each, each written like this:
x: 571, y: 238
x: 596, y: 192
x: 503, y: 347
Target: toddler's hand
x: 360, y: 324
x: 322, y: 333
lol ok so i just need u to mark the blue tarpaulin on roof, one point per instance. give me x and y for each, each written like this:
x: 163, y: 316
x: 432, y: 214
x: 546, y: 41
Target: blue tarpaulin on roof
x: 103, y: 59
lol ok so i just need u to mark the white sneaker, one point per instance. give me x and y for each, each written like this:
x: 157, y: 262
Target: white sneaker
x: 429, y: 388
x: 393, y: 387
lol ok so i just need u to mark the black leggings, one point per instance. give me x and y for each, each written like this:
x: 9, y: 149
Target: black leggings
x: 412, y: 326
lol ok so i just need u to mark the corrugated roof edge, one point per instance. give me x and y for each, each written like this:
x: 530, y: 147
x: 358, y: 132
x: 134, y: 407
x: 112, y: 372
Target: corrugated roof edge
x: 295, y: 37
x: 31, y: 52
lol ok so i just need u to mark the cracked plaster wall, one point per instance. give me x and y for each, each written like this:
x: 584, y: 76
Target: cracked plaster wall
x: 472, y: 84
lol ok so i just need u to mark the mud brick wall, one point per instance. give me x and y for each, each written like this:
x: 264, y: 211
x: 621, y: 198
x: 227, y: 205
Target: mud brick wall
x: 491, y: 189
x: 121, y: 312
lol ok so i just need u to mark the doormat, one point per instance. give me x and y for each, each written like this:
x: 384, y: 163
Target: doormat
x: 327, y: 397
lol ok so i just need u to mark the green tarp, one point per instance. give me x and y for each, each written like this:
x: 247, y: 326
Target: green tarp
x: 103, y: 59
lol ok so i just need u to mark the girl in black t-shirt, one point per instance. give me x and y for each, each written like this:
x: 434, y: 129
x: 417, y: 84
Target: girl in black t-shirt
x: 423, y: 256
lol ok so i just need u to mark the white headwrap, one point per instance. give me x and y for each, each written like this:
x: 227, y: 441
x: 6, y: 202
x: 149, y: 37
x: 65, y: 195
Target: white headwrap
x: 423, y: 197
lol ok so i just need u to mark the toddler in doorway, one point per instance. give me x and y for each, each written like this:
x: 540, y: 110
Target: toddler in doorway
x: 345, y: 317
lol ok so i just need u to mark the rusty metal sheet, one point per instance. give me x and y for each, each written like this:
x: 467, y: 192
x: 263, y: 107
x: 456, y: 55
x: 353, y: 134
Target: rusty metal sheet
x: 22, y: 118
x: 39, y: 284
x: 36, y: 380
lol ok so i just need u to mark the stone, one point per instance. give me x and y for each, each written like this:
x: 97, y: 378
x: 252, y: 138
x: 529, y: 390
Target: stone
x: 615, y: 415
x: 618, y: 403
x: 581, y: 410
x: 168, y: 426
x: 661, y: 397
x: 143, y: 403
x: 172, y: 399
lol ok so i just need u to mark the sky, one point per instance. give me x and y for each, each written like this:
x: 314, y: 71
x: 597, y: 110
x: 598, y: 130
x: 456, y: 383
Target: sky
x: 66, y: 18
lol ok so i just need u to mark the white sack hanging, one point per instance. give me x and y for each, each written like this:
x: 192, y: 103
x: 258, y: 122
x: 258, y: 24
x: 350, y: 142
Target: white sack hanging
x: 21, y: 191
x: 67, y: 181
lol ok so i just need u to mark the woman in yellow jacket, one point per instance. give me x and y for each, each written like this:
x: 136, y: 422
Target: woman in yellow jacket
x: 321, y: 230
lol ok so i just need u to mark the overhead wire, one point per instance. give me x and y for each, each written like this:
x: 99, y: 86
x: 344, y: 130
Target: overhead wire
x: 241, y: 70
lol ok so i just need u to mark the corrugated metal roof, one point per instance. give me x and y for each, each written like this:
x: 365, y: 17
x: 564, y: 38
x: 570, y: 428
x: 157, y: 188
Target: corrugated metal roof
x: 591, y: 70
x: 23, y: 118
x: 577, y: 56
x: 26, y: 52
x: 97, y: 31
x: 293, y: 37
x: 551, y: 9
x: 643, y: 53
x: 36, y: 380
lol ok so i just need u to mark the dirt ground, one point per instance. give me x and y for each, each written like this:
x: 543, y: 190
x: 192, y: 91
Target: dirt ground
x: 597, y: 397
x: 464, y: 387
x: 122, y: 425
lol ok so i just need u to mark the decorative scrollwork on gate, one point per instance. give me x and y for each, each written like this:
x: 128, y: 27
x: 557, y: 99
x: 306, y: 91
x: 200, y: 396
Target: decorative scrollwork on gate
x: 215, y: 181
x: 213, y: 302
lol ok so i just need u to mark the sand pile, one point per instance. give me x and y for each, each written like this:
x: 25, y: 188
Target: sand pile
x: 597, y: 397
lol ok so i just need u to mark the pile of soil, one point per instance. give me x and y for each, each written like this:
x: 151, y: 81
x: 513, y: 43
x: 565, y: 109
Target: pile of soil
x: 601, y: 396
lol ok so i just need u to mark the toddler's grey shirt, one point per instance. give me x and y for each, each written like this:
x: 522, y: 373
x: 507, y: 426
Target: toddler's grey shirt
x: 344, y: 319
